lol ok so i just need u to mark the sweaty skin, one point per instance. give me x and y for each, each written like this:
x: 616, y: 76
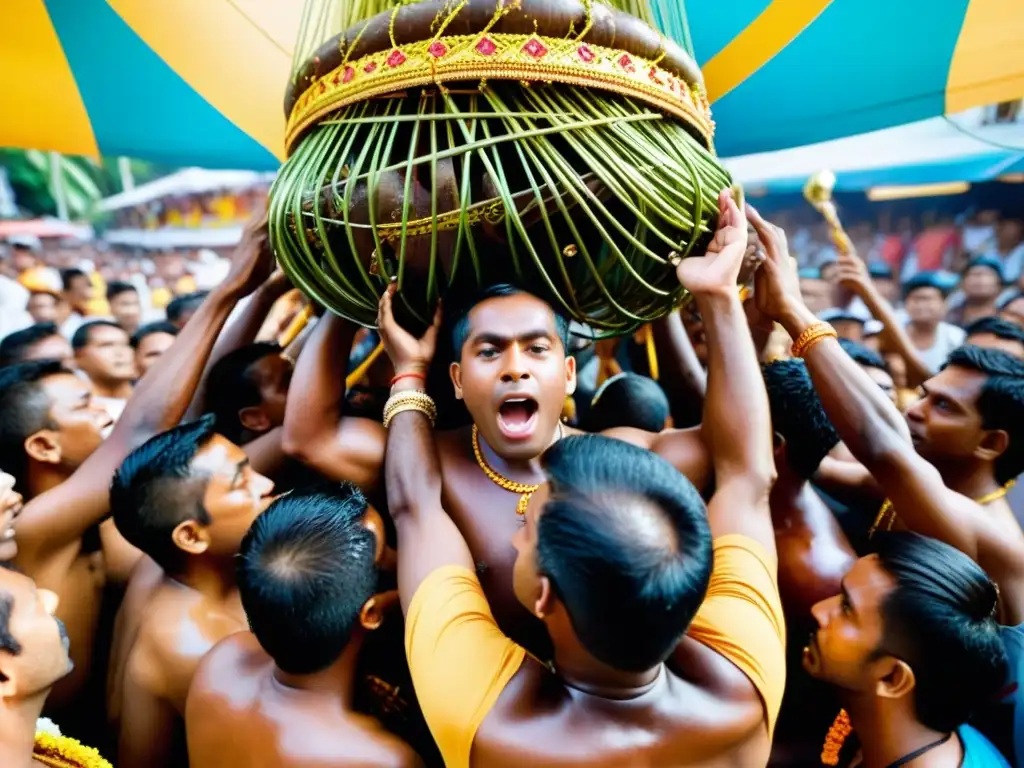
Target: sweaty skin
x: 275, y: 725
x: 347, y: 448
x: 490, y: 704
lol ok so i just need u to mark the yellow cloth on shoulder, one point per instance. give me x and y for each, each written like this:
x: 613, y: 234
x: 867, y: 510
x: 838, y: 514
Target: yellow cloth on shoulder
x: 460, y: 661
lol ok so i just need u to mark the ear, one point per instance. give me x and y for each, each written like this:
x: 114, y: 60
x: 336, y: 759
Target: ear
x: 8, y: 686
x: 544, y: 605
x: 254, y: 419
x: 570, y: 375
x: 376, y: 608
x: 899, y: 681
x: 992, y: 445
x: 191, y: 537
x: 44, y: 447
x: 455, y: 372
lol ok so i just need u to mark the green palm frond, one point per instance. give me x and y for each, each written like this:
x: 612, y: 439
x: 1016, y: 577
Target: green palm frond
x: 579, y: 194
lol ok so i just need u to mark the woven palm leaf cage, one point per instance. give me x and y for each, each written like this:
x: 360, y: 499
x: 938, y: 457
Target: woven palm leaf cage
x: 564, y: 146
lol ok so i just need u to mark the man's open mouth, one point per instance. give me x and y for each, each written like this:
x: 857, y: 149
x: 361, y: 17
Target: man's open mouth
x: 517, y: 417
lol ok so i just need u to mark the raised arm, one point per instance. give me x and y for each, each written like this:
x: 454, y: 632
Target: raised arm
x: 427, y: 537
x: 63, y: 514
x: 316, y: 430
x: 683, y: 377
x: 240, y: 332
x: 877, y: 435
x: 853, y: 274
x: 737, y: 425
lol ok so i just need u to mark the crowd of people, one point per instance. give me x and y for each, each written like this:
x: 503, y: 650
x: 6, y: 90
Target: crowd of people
x: 777, y: 527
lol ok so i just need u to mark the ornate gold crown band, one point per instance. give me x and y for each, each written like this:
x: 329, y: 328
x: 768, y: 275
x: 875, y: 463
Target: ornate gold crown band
x: 500, y: 57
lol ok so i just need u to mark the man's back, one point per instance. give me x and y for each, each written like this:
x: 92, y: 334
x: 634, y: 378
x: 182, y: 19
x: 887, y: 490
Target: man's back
x: 714, y: 702
x: 238, y: 713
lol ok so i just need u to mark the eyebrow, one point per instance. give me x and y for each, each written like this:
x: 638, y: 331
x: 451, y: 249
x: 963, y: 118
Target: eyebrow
x: 497, y: 339
x: 240, y: 469
x: 846, y: 595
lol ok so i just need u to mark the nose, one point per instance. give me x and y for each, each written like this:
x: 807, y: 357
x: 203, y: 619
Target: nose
x: 916, y: 410
x: 262, y: 486
x: 515, y: 365
x: 822, y: 610
x: 49, y: 600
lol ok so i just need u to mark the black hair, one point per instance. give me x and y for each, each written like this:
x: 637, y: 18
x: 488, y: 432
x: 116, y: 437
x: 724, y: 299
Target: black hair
x: 155, y: 490
x: 24, y: 410
x: 629, y: 400
x: 798, y: 415
x: 160, y: 326
x: 864, y: 356
x: 184, y: 304
x: 15, y: 346
x: 625, y: 542
x: 1001, y: 329
x: 233, y: 384
x: 305, y: 570
x: 940, y: 620
x: 989, y: 262
x: 7, y: 640
x: 925, y: 280
x: 68, y: 276
x: 81, y: 338
x: 116, y: 287
x: 458, y: 320
x: 1001, y: 402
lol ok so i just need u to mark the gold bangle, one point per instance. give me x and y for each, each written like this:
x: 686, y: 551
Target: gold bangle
x: 410, y: 400
x: 402, y: 408
x: 811, y: 336
x: 425, y: 403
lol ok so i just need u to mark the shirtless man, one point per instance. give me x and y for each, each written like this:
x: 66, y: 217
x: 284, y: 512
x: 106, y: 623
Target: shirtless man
x: 814, y: 554
x: 615, y: 558
x: 944, y: 466
x: 33, y: 656
x: 186, y: 498
x: 51, y: 441
x: 513, y: 374
x: 282, y: 695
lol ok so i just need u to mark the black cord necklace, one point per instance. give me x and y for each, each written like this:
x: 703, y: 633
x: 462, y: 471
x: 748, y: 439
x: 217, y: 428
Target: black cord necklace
x: 918, y: 752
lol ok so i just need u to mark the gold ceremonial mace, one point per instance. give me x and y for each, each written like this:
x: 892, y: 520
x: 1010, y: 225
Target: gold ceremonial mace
x: 818, y: 192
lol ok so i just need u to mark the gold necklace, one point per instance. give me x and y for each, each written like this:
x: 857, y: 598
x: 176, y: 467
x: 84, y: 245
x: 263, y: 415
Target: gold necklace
x: 887, y: 515
x: 525, y: 490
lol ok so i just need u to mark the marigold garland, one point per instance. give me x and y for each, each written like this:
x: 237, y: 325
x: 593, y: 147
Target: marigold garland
x: 65, y: 752
x: 835, y: 739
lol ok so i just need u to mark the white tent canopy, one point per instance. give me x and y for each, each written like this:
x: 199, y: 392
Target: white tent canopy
x: 185, y: 182
x: 941, y: 149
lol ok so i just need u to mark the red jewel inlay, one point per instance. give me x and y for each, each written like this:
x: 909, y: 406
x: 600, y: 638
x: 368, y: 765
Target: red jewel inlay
x: 349, y: 74
x: 336, y: 79
x: 626, y: 63
x: 437, y: 49
x: 486, y: 46
x: 370, y: 67
x: 535, y: 48
x: 653, y: 74
x: 586, y: 53
x: 396, y: 58
x: 323, y: 86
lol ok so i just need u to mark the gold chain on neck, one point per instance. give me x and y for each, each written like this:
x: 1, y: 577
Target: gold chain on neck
x: 887, y: 516
x: 525, y: 491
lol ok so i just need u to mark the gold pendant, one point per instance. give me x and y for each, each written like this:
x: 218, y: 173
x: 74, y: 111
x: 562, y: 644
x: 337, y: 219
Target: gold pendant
x: 524, y: 501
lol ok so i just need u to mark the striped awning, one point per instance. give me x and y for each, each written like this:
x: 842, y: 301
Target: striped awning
x: 201, y: 82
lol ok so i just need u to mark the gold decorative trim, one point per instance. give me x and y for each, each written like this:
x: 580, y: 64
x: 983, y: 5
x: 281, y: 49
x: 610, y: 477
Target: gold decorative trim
x: 529, y: 58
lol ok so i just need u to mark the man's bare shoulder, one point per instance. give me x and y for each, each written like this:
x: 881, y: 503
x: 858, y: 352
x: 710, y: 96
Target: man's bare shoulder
x: 538, y: 709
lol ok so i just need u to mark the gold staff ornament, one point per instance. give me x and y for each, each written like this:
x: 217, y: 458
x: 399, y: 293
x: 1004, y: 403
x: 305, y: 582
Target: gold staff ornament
x: 818, y: 192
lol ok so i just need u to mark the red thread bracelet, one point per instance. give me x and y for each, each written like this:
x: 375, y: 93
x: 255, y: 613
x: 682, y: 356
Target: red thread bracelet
x: 401, y: 376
